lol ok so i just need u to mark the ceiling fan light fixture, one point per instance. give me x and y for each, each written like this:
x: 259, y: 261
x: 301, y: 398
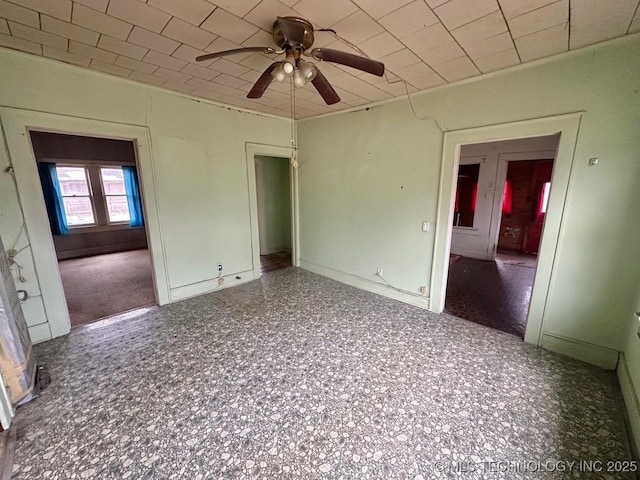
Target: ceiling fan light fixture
x: 307, y: 70
x: 289, y: 64
x: 278, y: 73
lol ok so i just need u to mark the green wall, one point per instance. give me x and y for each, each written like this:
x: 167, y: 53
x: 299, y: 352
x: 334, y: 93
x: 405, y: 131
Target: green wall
x: 198, y: 160
x: 370, y: 177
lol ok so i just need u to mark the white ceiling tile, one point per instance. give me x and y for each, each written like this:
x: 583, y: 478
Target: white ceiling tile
x: 145, y: 78
x: 409, y: 19
x: 327, y: 12
x: 229, y: 81
x: 179, y: 86
x: 189, y: 54
x: 109, y: 68
x: 428, y: 38
x: 162, y: 60
x: 357, y: 27
x: 489, y: 46
x: 237, y: 7
x: 515, y: 8
x: 99, y: 22
x: 379, y: 8
x: 55, y: 8
x: 358, y: 87
x: 540, y: 19
x: 543, y: 43
x: 265, y: 13
x: 413, y: 71
x: 184, y: 32
x: 192, y: 11
x: 220, y: 44
x: 145, y: 38
x: 435, y: 3
x: 20, y: 44
x: 100, y: 5
x: 428, y: 81
x: 68, y: 30
x: 172, y: 75
x: 198, y: 71
x: 382, y: 44
x: 442, y: 53
x: 4, y: 27
x: 19, y: 14
x: 259, y: 39
x: 498, y: 61
x: 485, y: 27
x: 122, y: 48
x: 596, y: 21
x: 399, y: 59
x: 229, y: 26
x: 456, y: 13
x: 138, y: 13
x: 38, y: 36
x: 64, y: 56
x: 257, y: 61
x: 199, y: 83
x: 223, y: 65
x: 131, y: 64
x: 456, y: 69
x: 92, y: 52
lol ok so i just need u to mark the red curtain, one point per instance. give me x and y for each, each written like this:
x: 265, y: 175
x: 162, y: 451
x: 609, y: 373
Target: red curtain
x: 507, y: 197
x: 475, y: 196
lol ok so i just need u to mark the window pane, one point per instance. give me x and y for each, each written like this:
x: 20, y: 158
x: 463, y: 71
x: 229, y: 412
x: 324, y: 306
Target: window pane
x: 73, y: 181
x: 112, y: 181
x: 78, y: 210
x: 118, y: 209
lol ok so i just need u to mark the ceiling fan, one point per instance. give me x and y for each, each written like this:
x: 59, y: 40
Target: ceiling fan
x: 294, y: 36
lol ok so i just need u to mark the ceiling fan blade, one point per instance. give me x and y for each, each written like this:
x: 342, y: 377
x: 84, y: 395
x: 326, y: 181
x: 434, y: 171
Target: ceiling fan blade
x: 224, y: 53
x: 292, y: 31
x: 325, y: 89
x: 263, y: 82
x: 348, y: 59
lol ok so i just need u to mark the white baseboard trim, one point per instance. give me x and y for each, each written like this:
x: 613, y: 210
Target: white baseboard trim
x: 593, y: 354
x: 211, y: 285
x: 631, y: 402
x: 368, y: 285
x: 470, y: 253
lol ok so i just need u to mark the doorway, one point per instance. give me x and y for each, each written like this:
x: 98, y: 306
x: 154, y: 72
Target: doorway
x: 274, y: 210
x: 501, y: 200
x: 95, y: 210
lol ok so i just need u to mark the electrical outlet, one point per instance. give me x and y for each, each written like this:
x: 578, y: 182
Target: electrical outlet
x: 379, y: 271
x: 423, y: 290
x: 219, y: 267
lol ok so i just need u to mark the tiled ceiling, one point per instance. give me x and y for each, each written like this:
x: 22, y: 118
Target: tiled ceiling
x: 425, y: 43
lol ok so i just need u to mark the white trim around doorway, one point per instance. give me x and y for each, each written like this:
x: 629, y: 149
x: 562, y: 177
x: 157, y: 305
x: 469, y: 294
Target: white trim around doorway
x: 567, y: 126
x: 17, y: 124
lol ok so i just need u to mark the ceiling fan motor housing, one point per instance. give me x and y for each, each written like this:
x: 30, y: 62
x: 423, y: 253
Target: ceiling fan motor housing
x: 280, y: 39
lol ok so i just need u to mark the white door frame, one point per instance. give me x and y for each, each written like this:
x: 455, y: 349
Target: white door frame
x: 568, y: 126
x: 254, y: 149
x: 17, y: 124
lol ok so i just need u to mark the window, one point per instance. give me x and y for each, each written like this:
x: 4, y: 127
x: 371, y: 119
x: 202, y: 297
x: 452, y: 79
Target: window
x: 115, y: 194
x: 545, y: 197
x: 76, y: 195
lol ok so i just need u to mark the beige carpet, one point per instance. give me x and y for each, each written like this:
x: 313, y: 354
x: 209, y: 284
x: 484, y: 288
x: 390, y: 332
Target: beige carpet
x: 104, y: 285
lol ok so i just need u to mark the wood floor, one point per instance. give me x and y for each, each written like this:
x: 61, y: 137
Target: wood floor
x: 274, y: 261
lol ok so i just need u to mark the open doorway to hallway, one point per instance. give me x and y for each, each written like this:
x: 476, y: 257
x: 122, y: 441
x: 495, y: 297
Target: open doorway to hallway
x: 95, y: 209
x: 501, y: 201
x: 273, y: 192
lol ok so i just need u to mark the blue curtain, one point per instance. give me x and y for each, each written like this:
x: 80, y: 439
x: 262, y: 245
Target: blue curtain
x: 53, y: 198
x: 133, y: 196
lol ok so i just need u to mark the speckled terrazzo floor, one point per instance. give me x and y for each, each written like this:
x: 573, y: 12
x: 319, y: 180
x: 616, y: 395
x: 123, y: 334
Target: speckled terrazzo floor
x: 298, y: 376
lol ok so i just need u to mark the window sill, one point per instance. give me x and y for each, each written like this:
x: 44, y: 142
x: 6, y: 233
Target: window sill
x: 100, y: 228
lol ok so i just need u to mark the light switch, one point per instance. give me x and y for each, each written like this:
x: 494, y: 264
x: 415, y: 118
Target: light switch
x: 426, y: 226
